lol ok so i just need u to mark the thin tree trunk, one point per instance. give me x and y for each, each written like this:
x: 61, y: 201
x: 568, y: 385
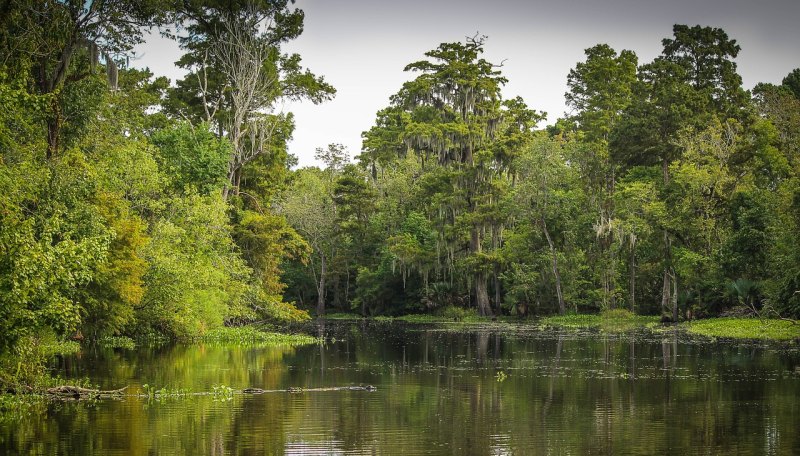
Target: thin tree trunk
x: 497, y: 298
x: 321, y: 287
x: 612, y: 279
x: 496, y: 270
x: 665, y: 293
x: 53, y: 135
x: 238, y: 179
x: 632, y: 277
x: 674, y: 279
x: 562, y: 308
x: 226, y: 191
x: 666, y: 296
x: 611, y: 271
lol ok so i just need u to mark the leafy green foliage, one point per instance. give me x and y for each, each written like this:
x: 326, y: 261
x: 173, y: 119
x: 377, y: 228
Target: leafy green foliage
x: 192, y: 157
x: 666, y: 184
x: 112, y: 216
x: 194, y: 273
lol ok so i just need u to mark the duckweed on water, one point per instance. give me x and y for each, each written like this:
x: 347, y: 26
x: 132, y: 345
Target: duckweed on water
x: 249, y: 335
x: 618, y: 320
x: 744, y: 328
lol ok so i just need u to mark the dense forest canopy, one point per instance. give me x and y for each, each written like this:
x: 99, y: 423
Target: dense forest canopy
x: 132, y: 205
x: 669, y: 189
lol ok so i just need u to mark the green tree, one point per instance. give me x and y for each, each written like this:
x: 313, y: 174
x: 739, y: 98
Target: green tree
x: 195, y: 276
x: 792, y: 82
x: 692, y: 82
x: 600, y: 89
x: 59, y: 44
x: 310, y: 209
x: 238, y: 74
x: 192, y: 156
x: 451, y: 116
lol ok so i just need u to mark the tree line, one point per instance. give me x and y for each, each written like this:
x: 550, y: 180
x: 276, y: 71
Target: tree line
x: 130, y: 205
x: 667, y: 189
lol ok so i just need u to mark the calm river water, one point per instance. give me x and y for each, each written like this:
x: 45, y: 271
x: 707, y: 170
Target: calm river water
x: 480, y: 391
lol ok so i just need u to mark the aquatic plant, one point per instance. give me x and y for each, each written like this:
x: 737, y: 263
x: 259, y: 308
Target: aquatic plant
x: 164, y: 392
x: 222, y: 392
x: 744, y: 328
x: 342, y: 316
x: 249, y: 335
x: 616, y: 320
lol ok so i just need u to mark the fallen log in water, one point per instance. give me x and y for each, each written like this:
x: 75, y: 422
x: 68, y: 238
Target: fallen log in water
x: 296, y: 389
x: 77, y: 392
x: 70, y: 392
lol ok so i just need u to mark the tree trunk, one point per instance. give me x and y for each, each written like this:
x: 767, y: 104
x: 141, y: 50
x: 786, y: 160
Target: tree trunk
x: 226, y: 191
x: 321, y: 287
x: 609, y: 209
x: 612, y: 280
x: 482, y: 295
x: 496, y: 270
x: 668, y: 288
x: 674, y: 279
x: 665, y: 293
x: 53, y: 135
x: 562, y: 308
x: 481, y: 289
x: 632, y: 278
x: 497, y: 298
x: 238, y: 181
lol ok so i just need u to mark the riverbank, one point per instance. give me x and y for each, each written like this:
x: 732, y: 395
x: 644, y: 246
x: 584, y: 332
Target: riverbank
x: 24, y: 377
x: 616, y: 321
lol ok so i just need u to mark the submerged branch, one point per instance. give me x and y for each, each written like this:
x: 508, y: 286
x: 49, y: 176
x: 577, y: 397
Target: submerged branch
x: 77, y: 392
x: 71, y: 392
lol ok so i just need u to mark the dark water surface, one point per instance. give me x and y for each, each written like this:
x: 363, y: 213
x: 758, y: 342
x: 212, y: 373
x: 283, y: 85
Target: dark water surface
x: 479, y: 391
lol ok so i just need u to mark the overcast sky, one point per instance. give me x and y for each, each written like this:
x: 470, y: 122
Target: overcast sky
x: 362, y: 46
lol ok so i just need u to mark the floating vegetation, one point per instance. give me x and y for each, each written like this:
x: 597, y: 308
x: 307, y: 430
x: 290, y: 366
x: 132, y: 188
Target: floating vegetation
x: 343, y: 316
x: 164, y: 392
x: 249, y: 335
x: 744, y: 328
x: 222, y: 392
x: 612, y: 321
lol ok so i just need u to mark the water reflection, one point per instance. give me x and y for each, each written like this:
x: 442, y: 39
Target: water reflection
x: 439, y: 392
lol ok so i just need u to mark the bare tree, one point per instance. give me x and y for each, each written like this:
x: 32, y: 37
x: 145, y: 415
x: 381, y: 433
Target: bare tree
x: 242, y: 52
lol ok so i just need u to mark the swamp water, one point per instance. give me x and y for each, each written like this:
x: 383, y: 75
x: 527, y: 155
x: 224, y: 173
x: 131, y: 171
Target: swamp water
x: 473, y: 390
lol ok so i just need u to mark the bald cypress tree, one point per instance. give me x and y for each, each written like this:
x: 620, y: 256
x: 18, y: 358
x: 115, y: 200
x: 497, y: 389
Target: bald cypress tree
x: 452, y: 117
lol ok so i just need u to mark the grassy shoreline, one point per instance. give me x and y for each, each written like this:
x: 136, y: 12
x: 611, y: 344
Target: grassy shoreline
x: 26, y: 372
